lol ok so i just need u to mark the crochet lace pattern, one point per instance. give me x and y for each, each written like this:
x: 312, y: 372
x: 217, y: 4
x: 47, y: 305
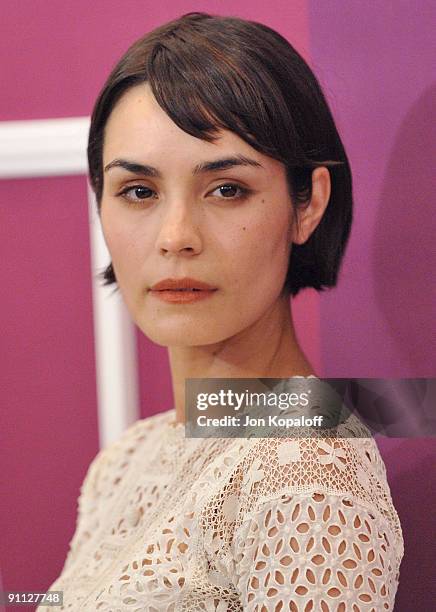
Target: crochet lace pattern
x: 168, y: 523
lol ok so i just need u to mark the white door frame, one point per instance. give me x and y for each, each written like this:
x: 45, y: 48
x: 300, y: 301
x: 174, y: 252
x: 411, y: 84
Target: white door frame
x: 57, y: 147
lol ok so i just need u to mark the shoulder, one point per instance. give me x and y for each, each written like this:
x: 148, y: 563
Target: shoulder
x: 311, y: 505
x: 319, y: 478
x: 351, y: 467
x: 135, y: 433
x: 112, y: 461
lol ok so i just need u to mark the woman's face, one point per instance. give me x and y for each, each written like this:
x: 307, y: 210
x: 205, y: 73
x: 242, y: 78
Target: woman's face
x: 229, y: 227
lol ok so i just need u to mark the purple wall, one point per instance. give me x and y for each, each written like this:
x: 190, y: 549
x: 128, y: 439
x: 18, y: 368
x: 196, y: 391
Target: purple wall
x: 375, y: 64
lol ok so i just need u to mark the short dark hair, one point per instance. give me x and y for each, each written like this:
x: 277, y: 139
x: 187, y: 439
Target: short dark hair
x: 210, y: 72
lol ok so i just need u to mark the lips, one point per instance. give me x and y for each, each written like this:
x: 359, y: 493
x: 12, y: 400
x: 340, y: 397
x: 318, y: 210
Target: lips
x: 182, y: 284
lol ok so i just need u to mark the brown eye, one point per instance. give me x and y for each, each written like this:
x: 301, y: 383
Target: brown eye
x: 136, y: 193
x: 228, y: 191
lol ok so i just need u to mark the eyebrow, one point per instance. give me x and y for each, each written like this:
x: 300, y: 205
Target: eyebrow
x: 202, y: 168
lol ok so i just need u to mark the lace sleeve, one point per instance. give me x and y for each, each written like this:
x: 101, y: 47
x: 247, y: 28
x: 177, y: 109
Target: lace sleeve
x: 87, y: 504
x: 101, y: 483
x: 314, y: 551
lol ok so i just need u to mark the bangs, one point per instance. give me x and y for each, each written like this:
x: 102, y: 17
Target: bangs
x: 202, y: 90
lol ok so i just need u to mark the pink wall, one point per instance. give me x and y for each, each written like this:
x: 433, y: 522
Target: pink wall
x: 48, y: 421
x: 58, y: 55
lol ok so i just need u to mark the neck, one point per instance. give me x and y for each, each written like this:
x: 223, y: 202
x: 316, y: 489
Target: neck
x: 240, y: 357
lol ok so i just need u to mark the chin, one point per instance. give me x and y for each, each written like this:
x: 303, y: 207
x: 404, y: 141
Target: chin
x: 178, y: 333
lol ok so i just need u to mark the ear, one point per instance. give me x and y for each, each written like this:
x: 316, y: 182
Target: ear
x: 311, y: 214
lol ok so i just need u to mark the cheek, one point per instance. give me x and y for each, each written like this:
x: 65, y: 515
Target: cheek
x: 261, y: 251
x: 122, y: 245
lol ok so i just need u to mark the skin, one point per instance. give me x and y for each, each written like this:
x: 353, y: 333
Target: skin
x: 183, y: 225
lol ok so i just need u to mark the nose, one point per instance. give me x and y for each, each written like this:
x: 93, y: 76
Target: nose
x: 179, y: 234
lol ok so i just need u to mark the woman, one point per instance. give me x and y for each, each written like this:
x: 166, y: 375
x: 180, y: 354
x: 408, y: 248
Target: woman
x: 223, y: 189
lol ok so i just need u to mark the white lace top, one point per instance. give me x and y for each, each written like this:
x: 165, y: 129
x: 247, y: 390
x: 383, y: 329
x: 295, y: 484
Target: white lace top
x: 168, y: 523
